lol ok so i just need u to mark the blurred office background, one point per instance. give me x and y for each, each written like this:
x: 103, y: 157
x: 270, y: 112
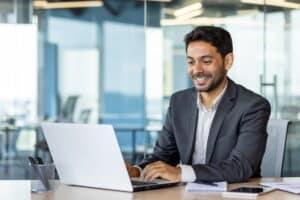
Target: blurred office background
x: 118, y: 62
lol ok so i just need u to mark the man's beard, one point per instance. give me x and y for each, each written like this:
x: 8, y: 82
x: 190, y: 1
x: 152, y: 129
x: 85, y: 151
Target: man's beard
x: 215, y: 83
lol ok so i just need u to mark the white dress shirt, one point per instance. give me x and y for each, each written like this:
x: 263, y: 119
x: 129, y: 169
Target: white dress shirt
x: 205, y: 118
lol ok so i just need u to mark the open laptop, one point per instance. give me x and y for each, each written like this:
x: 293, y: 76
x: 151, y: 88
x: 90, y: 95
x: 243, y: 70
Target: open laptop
x: 89, y: 155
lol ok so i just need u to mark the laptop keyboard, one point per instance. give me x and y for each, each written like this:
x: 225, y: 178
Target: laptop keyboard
x: 142, y: 183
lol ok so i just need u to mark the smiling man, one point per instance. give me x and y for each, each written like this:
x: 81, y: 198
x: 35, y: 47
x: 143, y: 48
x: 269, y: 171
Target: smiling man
x: 215, y: 131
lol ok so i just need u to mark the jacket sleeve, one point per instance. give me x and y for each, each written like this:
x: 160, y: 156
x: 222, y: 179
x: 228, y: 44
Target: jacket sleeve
x: 165, y: 148
x: 246, y: 156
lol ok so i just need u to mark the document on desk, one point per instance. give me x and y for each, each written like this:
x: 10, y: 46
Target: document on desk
x: 204, y: 187
x: 15, y: 190
x: 289, y: 187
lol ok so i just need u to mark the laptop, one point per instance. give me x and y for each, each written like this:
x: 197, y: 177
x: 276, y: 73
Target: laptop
x: 89, y: 155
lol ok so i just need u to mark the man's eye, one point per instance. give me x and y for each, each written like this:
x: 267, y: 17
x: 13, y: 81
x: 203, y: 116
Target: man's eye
x: 190, y: 62
x: 207, y: 62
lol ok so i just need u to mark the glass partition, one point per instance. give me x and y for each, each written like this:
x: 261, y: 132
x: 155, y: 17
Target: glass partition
x: 264, y: 39
x: 119, y: 61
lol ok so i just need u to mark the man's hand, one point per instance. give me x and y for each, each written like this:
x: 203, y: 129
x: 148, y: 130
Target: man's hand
x: 160, y: 169
x: 132, y: 171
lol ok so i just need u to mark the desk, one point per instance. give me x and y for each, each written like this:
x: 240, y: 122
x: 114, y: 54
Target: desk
x: 64, y: 192
x: 7, y: 129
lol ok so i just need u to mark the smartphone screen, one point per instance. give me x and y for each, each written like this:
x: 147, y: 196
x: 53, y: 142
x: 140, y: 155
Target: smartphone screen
x: 254, y: 190
x: 247, y: 192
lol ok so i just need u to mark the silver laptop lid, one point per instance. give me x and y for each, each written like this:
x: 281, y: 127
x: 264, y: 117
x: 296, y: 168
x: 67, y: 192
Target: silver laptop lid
x: 87, y: 155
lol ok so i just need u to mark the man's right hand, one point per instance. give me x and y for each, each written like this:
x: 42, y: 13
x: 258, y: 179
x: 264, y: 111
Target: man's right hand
x: 132, y: 171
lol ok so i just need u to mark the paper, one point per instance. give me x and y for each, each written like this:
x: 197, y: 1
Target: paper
x: 15, y: 190
x: 289, y: 187
x: 221, y: 187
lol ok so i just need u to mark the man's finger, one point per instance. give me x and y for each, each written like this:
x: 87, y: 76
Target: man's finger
x: 149, y: 169
x: 153, y: 174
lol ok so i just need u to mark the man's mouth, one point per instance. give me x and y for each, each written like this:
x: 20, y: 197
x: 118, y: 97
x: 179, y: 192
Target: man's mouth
x: 200, y: 78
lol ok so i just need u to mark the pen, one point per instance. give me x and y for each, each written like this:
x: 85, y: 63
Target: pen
x: 39, y: 160
x: 207, y: 183
x: 32, y: 160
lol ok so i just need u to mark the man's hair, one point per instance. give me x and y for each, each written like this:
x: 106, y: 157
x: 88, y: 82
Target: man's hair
x: 216, y: 36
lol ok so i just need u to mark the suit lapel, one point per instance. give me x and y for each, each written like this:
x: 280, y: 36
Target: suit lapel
x: 191, y: 121
x: 224, y: 107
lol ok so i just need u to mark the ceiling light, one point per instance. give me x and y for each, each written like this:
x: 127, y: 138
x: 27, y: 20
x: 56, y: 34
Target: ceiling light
x: 168, y: 11
x: 42, y: 4
x: 190, y: 15
x: 247, y: 11
x: 194, y: 21
x: 277, y: 3
x: 187, y: 9
x: 160, y: 0
x: 211, y: 21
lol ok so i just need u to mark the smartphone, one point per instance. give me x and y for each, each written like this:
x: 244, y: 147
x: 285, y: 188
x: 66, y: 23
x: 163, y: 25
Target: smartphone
x: 247, y: 192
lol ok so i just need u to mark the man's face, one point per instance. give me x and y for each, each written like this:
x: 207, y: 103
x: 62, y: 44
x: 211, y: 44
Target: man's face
x: 206, y: 67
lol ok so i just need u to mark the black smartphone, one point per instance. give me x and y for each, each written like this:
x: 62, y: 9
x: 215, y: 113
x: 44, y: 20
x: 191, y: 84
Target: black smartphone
x: 247, y: 192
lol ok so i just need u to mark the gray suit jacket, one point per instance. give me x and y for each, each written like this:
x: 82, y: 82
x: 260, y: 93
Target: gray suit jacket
x: 237, y: 138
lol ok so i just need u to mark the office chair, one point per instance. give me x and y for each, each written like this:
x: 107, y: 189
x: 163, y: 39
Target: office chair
x: 272, y: 162
x: 68, y: 108
x: 85, y: 115
x: 291, y: 165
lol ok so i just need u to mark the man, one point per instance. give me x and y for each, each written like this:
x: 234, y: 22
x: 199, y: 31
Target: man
x: 215, y: 131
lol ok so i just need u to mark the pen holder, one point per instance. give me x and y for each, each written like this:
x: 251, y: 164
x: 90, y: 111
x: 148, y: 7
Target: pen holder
x: 42, y: 177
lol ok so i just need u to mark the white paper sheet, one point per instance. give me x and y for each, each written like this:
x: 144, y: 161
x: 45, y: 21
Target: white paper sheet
x: 15, y: 190
x: 289, y: 187
x: 221, y: 187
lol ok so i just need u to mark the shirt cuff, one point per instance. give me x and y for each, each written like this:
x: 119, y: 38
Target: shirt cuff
x: 187, y: 173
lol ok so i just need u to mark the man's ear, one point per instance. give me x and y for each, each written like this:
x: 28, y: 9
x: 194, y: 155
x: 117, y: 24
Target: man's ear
x: 228, y: 61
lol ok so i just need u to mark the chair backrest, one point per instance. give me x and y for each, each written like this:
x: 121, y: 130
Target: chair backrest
x: 68, y: 108
x: 85, y: 115
x: 273, y: 159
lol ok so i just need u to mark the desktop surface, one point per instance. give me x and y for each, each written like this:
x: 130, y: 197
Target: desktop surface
x: 66, y: 192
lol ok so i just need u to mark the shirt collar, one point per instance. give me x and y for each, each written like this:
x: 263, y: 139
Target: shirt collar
x: 216, y: 102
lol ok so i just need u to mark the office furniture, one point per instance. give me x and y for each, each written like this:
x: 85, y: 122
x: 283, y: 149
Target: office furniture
x: 85, y: 116
x: 133, y: 131
x: 9, y: 130
x: 66, y: 115
x: 65, y: 192
x: 292, y: 151
x: 14, y: 163
x: 68, y: 109
x: 274, y: 84
x: 273, y: 158
x: 147, y: 137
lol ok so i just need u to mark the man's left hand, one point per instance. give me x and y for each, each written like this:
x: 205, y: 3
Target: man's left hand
x: 160, y: 169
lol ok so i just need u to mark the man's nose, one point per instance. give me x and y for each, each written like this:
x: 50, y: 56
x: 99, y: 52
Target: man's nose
x: 198, y: 67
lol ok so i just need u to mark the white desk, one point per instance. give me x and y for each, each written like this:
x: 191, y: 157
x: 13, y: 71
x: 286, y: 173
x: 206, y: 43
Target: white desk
x: 64, y: 192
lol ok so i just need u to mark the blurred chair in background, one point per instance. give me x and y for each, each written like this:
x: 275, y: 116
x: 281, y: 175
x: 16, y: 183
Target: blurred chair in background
x: 85, y: 116
x: 272, y: 162
x: 292, y: 151
x: 66, y: 113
